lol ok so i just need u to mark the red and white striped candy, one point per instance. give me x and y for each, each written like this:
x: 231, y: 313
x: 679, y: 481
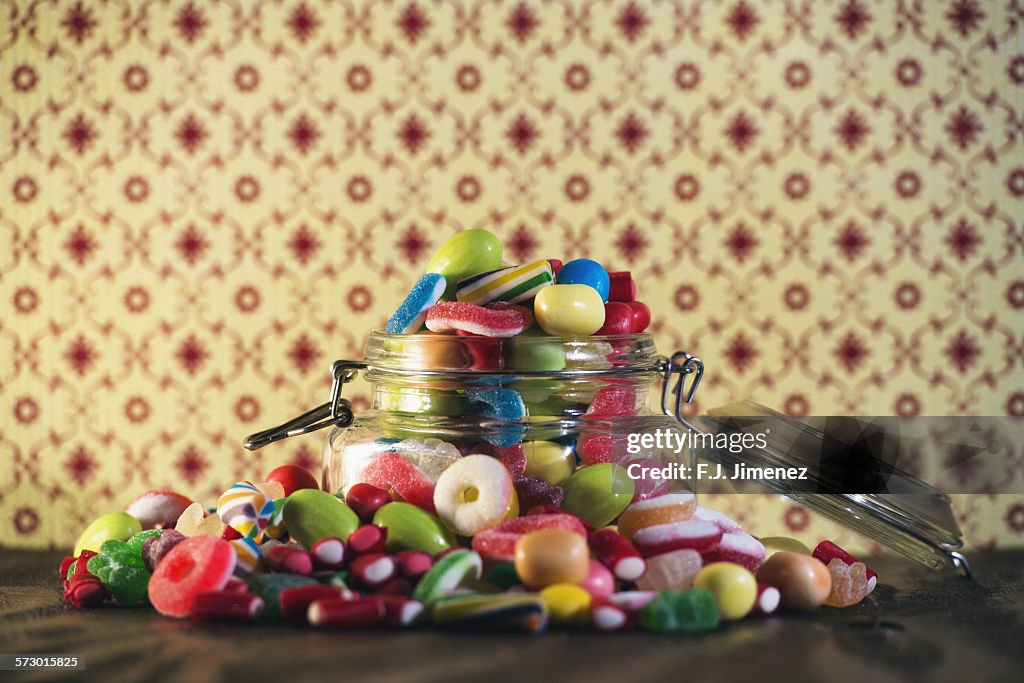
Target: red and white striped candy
x: 285, y: 558
x: 695, y: 534
x: 615, y: 551
x: 373, y: 570
x: 768, y: 598
x: 296, y: 601
x: 225, y: 606
x: 607, y: 616
x: 402, y: 611
x: 340, y: 613
x: 368, y: 539
x: 413, y: 564
x: 726, y: 524
x: 328, y: 554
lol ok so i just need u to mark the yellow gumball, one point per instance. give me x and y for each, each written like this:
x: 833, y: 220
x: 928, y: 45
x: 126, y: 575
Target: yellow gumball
x: 734, y: 588
x: 567, y: 604
x: 569, y: 310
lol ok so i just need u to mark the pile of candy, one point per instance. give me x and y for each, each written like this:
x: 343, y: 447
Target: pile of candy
x: 284, y: 549
x: 577, y: 299
x: 431, y: 531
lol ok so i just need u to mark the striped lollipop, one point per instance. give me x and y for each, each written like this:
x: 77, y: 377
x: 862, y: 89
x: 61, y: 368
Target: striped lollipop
x: 515, y: 284
x: 245, y: 509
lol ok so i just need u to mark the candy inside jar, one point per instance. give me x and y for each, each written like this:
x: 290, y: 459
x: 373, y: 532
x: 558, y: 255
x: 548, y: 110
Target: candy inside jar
x: 555, y: 414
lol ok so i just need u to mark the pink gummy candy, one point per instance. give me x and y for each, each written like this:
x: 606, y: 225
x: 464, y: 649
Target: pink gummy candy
x: 739, y: 548
x: 849, y: 583
x: 392, y: 472
x: 493, y: 320
x: 499, y: 542
x: 196, y: 565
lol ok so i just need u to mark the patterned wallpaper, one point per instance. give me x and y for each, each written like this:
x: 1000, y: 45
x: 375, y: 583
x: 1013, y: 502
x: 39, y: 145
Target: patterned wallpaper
x: 203, y: 203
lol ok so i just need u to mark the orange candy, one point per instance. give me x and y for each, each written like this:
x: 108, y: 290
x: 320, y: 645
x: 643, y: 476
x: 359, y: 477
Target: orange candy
x: 671, y: 507
x: 804, y: 582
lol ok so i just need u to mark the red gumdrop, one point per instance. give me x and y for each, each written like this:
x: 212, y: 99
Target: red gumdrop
x: 199, y: 564
x: 365, y: 499
x: 367, y: 539
x: 641, y: 316
x: 614, y: 401
x: 293, y: 478
x: 392, y: 472
x: 618, y: 319
x: 499, y: 542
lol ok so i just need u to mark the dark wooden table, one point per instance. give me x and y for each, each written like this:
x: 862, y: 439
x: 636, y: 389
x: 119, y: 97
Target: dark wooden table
x: 917, y: 625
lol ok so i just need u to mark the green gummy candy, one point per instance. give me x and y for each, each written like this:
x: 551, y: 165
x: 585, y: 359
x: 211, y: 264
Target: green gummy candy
x: 447, y: 574
x: 420, y: 401
x: 690, y: 611
x: 312, y: 514
x: 127, y: 584
x: 598, y: 493
x: 121, y: 553
x: 136, y: 541
x: 269, y: 587
x: 412, y: 528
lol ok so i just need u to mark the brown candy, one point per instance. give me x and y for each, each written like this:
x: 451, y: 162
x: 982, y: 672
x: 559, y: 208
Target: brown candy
x: 803, y: 581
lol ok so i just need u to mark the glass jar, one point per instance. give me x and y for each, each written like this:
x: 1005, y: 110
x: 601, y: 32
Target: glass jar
x: 544, y: 406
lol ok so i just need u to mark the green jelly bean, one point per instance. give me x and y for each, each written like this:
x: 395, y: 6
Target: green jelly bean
x: 418, y: 401
x: 121, y: 569
x: 269, y: 587
x: 689, y: 611
x: 466, y: 253
x: 113, y: 525
x: 447, y: 574
x: 412, y: 528
x: 312, y: 514
x: 139, y: 539
x: 536, y: 353
x: 598, y: 493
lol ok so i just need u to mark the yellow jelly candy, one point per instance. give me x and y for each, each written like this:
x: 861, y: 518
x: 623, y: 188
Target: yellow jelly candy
x: 783, y: 544
x: 567, y: 603
x: 734, y: 588
x: 569, y: 310
x: 114, y: 525
x: 552, y: 462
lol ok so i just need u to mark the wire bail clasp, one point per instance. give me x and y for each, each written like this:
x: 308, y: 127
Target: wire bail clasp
x: 336, y: 412
x: 682, y: 364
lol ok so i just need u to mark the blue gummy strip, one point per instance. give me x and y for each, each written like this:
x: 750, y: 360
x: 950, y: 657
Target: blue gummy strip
x: 427, y: 291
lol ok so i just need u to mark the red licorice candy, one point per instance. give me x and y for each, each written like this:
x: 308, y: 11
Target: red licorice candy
x: 328, y: 554
x: 368, y: 539
x: 621, y: 286
x: 826, y: 551
x: 402, y: 611
x: 412, y: 564
x: 225, y: 606
x: 373, y: 570
x: 339, y: 613
x: 296, y: 601
x: 615, y: 551
x: 284, y: 558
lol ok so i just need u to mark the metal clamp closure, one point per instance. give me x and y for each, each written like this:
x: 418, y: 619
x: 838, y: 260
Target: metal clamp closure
x: 681, y: 364
x: 336, y: 412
